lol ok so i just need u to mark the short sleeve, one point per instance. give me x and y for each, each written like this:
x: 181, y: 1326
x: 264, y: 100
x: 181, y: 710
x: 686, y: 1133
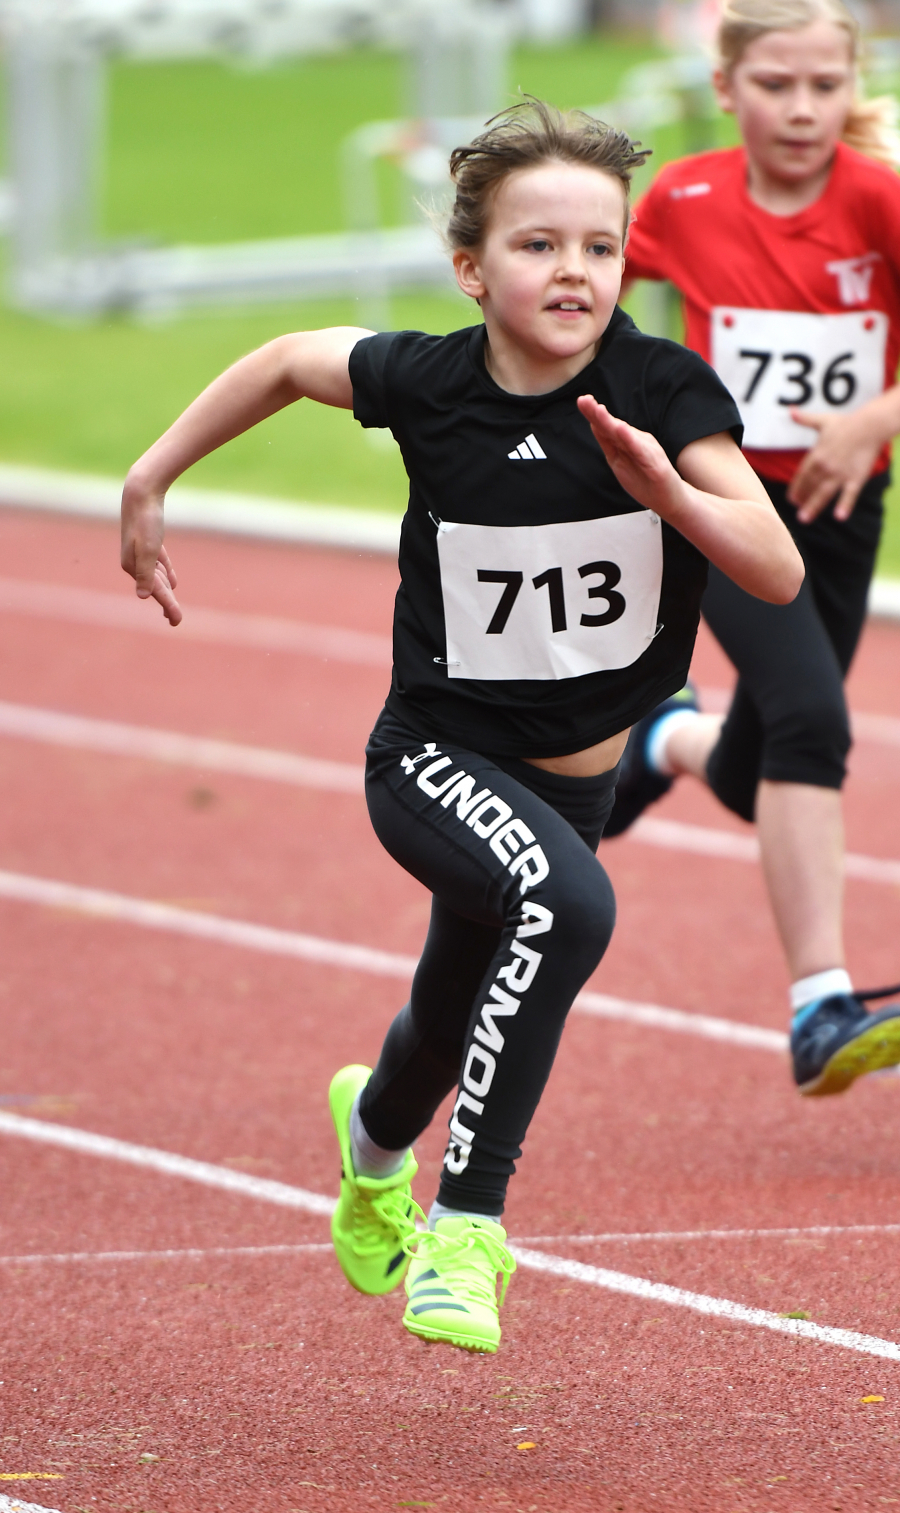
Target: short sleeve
x: 686, y: 399
x: 368, y: 363
x: 646, y: 250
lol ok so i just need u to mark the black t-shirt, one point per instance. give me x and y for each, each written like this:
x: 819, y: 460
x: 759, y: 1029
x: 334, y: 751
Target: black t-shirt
x: 541, y: 609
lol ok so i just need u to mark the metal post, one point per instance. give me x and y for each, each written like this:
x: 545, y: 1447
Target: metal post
x: 56, y: 118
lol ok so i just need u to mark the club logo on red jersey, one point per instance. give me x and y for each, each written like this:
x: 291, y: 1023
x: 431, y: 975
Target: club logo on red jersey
x: 689, y: 191
x: 854, y: 276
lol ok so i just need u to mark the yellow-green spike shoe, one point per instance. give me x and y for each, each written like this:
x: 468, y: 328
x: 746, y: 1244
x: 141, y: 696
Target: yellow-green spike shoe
x: 375, y: 1216
x: 451, y: 1284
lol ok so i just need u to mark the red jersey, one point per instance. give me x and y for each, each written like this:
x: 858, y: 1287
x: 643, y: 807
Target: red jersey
x: 791, y: 310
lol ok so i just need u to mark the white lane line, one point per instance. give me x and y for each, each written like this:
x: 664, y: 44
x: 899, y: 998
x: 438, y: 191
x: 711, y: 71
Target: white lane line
x: 58, y: 729
x: 206, y: 1172
x: 633, y: 1237
x: 97, y: 903
x: 654, y: 1016
x: 16, y: 1505
x: 677, y: 1297
x: 674, y: 835
x: 191, y: 1254
x: 278, y: 1192
x: 87, y: 606
x: 100, y: 904
x: 626, y: 1237
x: 81, y: 732
x: 882, y: 729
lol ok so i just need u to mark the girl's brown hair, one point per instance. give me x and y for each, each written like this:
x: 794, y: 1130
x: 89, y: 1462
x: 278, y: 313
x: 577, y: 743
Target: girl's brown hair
x: 522, y: 137
x: 871, y: 124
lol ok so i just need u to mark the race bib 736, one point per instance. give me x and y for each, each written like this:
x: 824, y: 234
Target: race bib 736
x: 549, y: 601
x: 774, y: 361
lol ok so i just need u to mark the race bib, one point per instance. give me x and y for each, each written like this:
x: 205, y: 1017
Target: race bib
x: 776, y: 360
x: 549, y: 601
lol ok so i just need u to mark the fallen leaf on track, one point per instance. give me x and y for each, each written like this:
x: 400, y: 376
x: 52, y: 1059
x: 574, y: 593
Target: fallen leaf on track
x: 873, y: 1398
x: 526, y: 1444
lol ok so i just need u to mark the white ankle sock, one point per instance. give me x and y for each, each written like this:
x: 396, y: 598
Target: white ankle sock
x: 369, y: 1159
x: 655, y: 750
x: 819, y: 985
x: 438, y: 1211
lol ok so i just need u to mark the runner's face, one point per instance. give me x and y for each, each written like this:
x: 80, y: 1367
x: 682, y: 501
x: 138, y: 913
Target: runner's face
x: 550, y: 268
x: 791, y: 92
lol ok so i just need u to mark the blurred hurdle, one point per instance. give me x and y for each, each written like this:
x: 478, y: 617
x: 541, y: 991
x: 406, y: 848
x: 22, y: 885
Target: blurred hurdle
x: 56, y: 54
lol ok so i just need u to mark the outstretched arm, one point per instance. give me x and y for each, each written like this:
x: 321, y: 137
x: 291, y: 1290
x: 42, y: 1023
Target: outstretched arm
x: 308, y: 364
x: 714, y: 498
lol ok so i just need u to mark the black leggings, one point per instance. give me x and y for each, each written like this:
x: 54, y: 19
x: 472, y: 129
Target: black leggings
x: 788, y: 719
x: 521, y: 914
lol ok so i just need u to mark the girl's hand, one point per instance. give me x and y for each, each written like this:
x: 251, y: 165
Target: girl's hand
x: 713, y: 497
x: 143, y: 554
x: 637, y: 459
x: 839, y: 461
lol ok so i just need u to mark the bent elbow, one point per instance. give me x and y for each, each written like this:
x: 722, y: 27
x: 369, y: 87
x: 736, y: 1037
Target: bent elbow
x: 785, y: 584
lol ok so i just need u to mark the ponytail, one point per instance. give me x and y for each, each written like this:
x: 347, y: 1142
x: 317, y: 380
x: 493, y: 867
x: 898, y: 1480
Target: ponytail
x: 871, y: 125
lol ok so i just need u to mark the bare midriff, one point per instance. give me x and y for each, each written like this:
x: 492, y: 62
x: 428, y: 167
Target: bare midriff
x: 588, y: 763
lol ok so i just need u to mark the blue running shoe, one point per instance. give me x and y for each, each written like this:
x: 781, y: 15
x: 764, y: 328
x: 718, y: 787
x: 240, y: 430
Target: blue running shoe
x: 835, y: 1040
x: 639, y: 785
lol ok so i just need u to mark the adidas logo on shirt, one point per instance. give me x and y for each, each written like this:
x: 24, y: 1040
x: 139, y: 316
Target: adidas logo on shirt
x: 528, y: 450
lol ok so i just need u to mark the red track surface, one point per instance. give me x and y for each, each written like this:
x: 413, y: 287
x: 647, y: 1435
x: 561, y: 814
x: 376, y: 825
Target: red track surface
x: 261, y: 1382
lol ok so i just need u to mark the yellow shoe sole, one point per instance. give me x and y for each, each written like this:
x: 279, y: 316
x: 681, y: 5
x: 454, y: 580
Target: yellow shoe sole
x: 871, y: 1051
x: 437, y: 1336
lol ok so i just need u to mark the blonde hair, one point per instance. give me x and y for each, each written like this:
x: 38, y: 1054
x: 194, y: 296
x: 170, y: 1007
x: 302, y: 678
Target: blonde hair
x: 871, y: 125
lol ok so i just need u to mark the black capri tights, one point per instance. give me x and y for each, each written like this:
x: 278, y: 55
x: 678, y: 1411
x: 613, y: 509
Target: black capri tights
x: 521, y: 914
x: 788, y: 719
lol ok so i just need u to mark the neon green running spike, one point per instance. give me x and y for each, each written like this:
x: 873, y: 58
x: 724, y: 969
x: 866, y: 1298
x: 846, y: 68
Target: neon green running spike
x: 375, y: 1216
x: 452, y: 1283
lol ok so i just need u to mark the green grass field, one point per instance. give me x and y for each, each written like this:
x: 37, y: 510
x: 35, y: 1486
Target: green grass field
x: 203, y: 152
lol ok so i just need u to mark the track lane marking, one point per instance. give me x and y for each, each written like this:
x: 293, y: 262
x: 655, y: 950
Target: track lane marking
x: 702, y: 840
x: 16, y: 1505
x: 98, y: 903
x: 85, y: 1142
x: 654, y: 1016
x: 633, y: 1237
x: 88, y: 606
x: 112, y: 737
x: 190, y: 1253
x: 199, y: 1252
x: 698, y: 1302
x: 880, y: 729
x: 55, y: 728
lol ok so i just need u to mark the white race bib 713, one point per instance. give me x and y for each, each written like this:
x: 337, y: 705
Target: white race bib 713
x: 549, y: 601
x: 777, y: 360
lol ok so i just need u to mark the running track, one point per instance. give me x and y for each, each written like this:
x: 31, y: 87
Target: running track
x: 176, y: 1336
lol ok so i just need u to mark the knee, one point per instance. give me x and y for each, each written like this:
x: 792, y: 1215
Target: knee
x: 583, y: 906
x: 809, y: 742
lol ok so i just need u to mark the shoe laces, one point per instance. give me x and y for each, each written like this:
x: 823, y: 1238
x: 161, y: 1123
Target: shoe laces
x: 382, y: 1217
x: 866, y: 995
x: 468, y: 1262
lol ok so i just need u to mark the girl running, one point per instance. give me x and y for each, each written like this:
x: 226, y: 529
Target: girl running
x: 569, y: 479
x: 787, y: 254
